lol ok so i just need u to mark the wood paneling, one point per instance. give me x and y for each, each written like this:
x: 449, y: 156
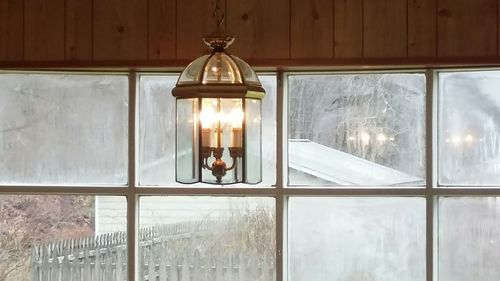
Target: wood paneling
x: 194, y: 20
x: 162, y: 29
x: 11, y: 30
x: 312, y: 29
x: 384, y: 28
x: 422, y: 28
x: 289, y: 32
x: 261, y: 27
x: 348, y: 28
x: 467, y: 28
x: 120, y: 29
x: 78, y: 29
x: 44, y: 30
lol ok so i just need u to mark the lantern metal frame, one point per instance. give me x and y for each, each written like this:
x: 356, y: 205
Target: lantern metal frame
x: 240, y: 88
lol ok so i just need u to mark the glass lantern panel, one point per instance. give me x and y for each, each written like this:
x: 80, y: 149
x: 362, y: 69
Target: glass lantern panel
x: 221, y: 69
x: 253, y: 144
x: 247, y: 71
x: 190, y: 75
x: 221, y: 139
x: 187, y: 151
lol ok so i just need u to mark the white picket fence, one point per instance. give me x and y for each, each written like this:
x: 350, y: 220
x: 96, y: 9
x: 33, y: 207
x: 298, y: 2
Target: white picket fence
x: 177, y: 252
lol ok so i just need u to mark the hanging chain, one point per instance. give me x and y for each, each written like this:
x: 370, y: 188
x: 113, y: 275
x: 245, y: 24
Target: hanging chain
x: 218, y: 15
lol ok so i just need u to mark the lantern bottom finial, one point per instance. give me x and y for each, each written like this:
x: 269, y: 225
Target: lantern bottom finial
x: 219, y: 170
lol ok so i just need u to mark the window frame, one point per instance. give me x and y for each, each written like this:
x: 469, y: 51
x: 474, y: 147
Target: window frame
x: 281, y: 192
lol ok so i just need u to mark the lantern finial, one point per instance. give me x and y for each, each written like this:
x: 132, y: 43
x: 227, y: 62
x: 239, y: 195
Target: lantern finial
x: 218, y: 41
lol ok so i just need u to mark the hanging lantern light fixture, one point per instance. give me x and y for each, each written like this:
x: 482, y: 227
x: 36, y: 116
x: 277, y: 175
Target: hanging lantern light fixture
x: 218, y: 107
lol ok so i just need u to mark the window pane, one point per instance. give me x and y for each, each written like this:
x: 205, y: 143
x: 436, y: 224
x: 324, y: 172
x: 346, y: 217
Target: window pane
x: 157, y: 130
x: 207, y: 238
x: 469, y: 128
x: 253, y: 143
x: 356, y: 129
x: 187, y: 150
x: 469, y: 239
x: 62, y: 238
x: 357, y: 239
x: 63, y: 129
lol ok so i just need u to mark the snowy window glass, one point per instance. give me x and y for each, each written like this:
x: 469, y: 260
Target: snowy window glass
x: 63, y: 129
x: 469, y: 128
x: 210, y: 238
x: 469, y: 238
x: 357, y: 238
x: 356, y: 129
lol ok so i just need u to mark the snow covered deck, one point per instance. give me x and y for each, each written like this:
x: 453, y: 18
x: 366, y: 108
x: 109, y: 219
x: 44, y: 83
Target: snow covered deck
x: 341, y: 168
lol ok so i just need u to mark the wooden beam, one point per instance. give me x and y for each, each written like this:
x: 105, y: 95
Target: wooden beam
x: 348, y: 28
x: 422, y: 26
x: 261, y: 27
x: 162, y: 29
x: 120, y: 29
x: 194, y: 20
x: 44, y: 30
x: 312, y: 29
x: 467, y: 28
x: 11, y: 30
x: 385, y: 28
x: 78, y: 30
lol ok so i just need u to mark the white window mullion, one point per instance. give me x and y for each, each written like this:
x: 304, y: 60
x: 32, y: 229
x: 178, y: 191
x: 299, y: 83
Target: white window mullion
x: 431, y: 175
x: 132, y: 199
x: 281, y: 203
x: 63, y: 190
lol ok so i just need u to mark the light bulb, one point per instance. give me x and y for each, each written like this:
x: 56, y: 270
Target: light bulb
x: 236, y: 117
x: 207, y: 118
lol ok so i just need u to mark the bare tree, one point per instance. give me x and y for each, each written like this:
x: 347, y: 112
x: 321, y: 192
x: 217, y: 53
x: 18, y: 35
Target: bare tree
x: 28, y: 220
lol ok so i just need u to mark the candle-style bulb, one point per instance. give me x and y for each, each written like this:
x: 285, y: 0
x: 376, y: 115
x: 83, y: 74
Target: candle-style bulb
x: 207, y: 118
x: 236, y: 118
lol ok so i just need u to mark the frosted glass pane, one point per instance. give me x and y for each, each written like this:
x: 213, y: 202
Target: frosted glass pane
x: 357, y: 129
x: 187, y: 151
x: 469, y: 239
x: 62, y: 237
x: 63, y: 129
x: 253, y: 140
x: 469, y: 128
x: 376, y: 239
x: 269, y: 140
x: 157, y: 130
x: 207, y: 238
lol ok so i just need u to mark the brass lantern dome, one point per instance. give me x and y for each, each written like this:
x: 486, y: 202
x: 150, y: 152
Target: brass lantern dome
x: 218, y: 74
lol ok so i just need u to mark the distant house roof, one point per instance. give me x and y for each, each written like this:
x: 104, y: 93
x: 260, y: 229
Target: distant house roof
x: 342, y: 168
